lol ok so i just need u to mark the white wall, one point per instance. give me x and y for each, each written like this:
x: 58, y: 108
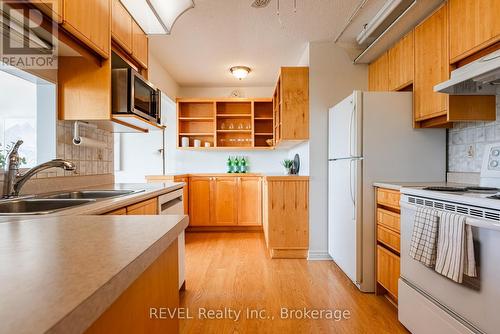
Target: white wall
x: 225, y: 91
x: 332, y: 78
x: 159, y: 76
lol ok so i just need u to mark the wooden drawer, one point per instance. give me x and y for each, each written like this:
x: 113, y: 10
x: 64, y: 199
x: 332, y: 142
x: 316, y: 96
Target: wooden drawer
x: 388, y: 270
x: 389, y: 219
x: 119, y: 212
x: 149, y: 207
x: 389, y: 238
x: 388, y: 198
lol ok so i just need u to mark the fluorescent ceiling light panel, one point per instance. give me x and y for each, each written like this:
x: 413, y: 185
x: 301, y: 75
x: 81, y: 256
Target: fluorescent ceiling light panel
x: 144, y: 16
x: 157, y: 16
x: 169, y: 11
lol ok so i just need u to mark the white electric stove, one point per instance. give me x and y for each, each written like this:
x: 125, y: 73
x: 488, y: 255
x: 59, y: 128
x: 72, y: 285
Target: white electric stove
x: 430, y: 303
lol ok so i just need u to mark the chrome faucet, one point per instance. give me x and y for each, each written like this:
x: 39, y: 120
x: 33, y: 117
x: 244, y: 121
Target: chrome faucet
x: 14, y: 181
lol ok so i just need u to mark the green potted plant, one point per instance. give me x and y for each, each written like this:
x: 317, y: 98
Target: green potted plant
x: 287, y: 164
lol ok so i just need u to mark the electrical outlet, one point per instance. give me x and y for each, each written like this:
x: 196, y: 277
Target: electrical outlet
x: 470, y: 151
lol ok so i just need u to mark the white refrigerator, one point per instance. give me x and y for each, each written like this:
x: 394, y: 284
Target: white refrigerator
x: 371, y: 138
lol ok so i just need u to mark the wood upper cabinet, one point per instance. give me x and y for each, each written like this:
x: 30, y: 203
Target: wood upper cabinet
x: 149, y: 207
x: 249, y: 201
x: 52, y: 8
x: 401, y: 63
x: 433, y: 109
x: 431, y: 65
x: 139, y: 45
x: 90, y: 22
x: 291, y: 105
x: 474, y: 25
x: 224, y: 201
x: 378, y: 74
x: 121, y: 26
x: 199, y: 201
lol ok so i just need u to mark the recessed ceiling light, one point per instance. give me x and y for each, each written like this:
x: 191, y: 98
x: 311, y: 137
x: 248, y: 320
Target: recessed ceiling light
x: 240, y: 72
x: 157, y: 16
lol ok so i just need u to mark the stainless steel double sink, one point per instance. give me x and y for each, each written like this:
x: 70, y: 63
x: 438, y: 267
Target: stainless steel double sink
x: 50, y: 203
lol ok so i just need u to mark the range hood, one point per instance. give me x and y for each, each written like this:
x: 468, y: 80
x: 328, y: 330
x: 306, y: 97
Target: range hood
x: 481, y: 77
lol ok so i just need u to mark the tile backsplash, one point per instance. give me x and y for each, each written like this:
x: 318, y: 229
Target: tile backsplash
x: 88, y: 160
x: 466, y: 143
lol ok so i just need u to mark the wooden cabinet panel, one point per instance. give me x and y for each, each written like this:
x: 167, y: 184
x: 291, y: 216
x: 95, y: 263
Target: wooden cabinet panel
x: 388, y: 270
x: 474, y: 25
x: 158, y: 285
x: 52, y: 8
x: 199, y: 201
x: 224, y: 201
x: 185, y: 192
x: 294, y: 113
x: 378, y: 74
x: 90, y: 21
x: 249, y: 201
x: 287, y: 218
x: 388, y: 197
x: 401, y: 63
x: 139, y: 45
x: 388, y: 219
x: 431, y: 65
x: 149, y: 207
x: 119, y: 212
x: 121, y: 26
x: 389, y: 238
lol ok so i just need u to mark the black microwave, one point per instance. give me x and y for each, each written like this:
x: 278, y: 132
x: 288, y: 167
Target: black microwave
x: 133, y: 94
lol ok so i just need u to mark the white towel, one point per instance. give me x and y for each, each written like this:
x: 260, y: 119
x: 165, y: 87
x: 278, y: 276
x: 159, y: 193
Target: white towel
x: 455, y: 249
x: 424, y: 238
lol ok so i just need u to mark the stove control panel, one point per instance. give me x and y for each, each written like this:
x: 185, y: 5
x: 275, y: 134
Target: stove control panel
x: 490, y: 170
x: 494, y: 158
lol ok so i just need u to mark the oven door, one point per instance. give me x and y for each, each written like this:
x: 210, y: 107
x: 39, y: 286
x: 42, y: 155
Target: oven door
x: 471, y: 307
x: 144, y: 98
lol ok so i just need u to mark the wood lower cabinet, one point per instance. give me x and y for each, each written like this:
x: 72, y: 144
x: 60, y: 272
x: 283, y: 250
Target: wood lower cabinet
x: 224, y: 199
x: 388, y: 241
x: 149, y: 207
x: 231, y: 201
x: 119, y: 212
x: 388, y: 270
x: 156, y: 287
x: 286, y: 216
x: 200, y: 201
x: 90, y: 21
x: 378, y: 74
x: 474, y: 25
x: 250, y: 201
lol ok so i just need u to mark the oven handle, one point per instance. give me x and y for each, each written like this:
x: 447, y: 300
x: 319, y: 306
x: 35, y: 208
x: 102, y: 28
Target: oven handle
x: 475, y: 222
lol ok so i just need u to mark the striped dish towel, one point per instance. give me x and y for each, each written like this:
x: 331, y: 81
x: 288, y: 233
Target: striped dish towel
x: 424, y: 237
x: 455, y: 250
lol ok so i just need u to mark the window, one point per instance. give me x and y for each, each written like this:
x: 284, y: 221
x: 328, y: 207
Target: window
x: 27, y: 112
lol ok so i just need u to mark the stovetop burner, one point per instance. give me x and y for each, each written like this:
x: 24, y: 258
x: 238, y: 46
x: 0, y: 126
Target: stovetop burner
x: 482, y: 190
x: 447, y: 189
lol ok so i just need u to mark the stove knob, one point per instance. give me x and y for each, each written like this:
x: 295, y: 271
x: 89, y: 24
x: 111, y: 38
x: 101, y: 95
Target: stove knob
x: 494, y: 163
x: 495, y: 153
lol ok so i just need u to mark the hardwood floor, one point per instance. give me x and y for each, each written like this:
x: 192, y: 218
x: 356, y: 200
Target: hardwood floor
x: 234, y: 271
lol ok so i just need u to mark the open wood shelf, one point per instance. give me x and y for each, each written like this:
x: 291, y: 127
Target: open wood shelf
x: 241, y: 124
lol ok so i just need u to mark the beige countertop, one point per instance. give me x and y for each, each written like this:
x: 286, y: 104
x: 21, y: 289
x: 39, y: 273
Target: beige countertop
x: 59, y: 274
x: 266, y: 175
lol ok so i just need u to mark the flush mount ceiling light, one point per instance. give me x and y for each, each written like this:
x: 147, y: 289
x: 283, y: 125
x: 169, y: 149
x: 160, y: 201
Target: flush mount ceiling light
x: 240, y: 72
x: 157, y: 17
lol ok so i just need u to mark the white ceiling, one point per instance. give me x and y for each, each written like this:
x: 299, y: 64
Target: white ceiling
x: 217, y: 34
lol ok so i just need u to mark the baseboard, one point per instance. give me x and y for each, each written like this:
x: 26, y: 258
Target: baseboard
x: 318, y: 256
